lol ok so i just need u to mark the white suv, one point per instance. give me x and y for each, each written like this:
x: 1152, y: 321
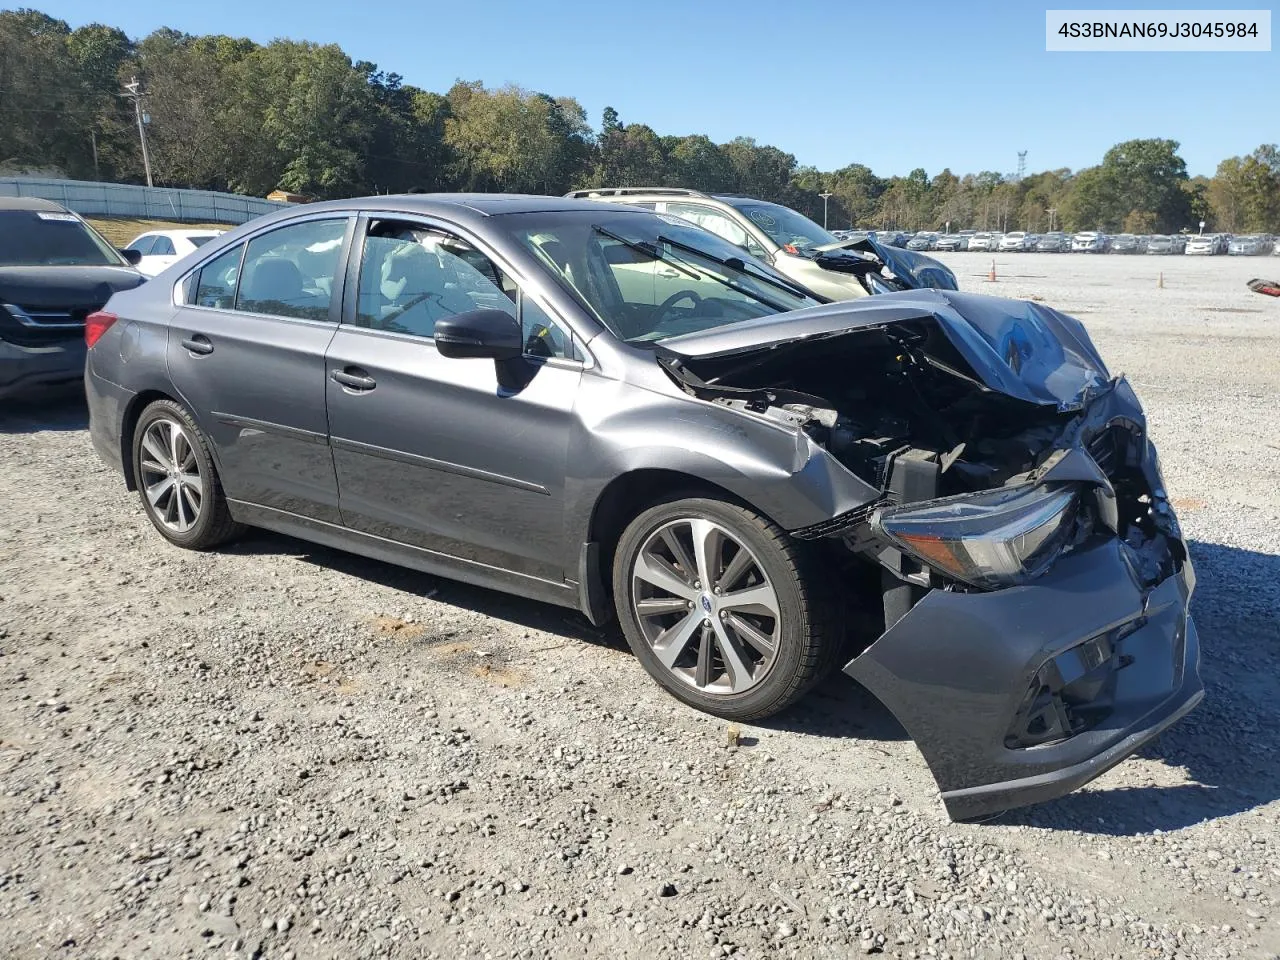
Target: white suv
x: 789, y: 241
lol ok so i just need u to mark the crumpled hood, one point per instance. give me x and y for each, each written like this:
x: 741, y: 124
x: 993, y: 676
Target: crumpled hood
x: 65, y: 287
x: 912, y: 269
x: 1023, y: 349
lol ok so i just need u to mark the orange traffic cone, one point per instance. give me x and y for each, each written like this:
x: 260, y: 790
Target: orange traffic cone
x: 991, y: 276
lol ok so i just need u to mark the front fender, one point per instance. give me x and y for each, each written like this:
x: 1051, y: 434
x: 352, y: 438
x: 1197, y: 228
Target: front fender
x: 777, y: 469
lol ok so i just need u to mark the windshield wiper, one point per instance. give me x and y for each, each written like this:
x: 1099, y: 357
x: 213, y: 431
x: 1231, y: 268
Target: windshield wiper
x: 656, y: 252
x: 650, y: 250
x: 740, y: 265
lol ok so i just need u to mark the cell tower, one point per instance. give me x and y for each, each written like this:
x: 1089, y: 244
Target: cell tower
x: 1022, y: 164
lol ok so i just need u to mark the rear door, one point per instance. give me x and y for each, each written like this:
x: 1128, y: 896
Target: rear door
x: 246, y: 350
x: 441, y: 453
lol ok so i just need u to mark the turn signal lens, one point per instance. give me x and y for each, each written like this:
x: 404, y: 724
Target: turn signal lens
x: 96, y: 324
x: 992, y: 539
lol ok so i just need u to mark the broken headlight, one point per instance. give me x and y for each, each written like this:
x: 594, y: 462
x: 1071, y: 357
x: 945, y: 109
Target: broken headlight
x: 994, y: 539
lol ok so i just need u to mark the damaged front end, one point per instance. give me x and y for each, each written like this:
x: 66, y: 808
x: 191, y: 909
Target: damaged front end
x: 1033, y: 577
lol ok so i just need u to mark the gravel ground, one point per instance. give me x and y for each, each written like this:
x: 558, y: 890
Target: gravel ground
x: 283, y: 751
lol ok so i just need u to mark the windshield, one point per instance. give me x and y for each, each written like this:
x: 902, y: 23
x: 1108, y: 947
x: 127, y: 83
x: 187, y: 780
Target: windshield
x: 792, y: 231
x: 48, y: 238
x: 649, y: 276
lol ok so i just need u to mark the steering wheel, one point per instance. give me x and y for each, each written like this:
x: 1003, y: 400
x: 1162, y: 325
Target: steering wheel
x: 675, y: 298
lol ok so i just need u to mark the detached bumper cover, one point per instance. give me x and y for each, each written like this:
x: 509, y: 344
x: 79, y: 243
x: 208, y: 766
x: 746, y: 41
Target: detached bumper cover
x: 958, y: 670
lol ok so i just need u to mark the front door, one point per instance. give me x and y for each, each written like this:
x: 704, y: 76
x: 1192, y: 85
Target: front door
x: 439, y: 453
x: 247, y: 353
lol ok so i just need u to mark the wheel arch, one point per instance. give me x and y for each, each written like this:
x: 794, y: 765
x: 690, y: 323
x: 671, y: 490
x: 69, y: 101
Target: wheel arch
x: 129, y: 425
x: 621, y: 500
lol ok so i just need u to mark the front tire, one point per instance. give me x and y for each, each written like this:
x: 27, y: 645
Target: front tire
x: 723, y: 608
x: 177, y: 480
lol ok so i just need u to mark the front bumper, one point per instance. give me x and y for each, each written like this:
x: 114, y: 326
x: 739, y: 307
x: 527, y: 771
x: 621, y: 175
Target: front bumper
x: 26, y: 369
x: 957, y: 669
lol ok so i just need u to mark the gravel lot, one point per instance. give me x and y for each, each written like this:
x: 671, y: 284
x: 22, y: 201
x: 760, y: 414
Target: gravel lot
x: 283, y: 751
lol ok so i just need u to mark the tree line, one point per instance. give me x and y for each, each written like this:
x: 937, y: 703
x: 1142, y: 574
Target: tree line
x: 230, y: 114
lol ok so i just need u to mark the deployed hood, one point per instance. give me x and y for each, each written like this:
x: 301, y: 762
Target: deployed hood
x: 1022, y: 349
x: 64, y: 288
x: 911, y: 270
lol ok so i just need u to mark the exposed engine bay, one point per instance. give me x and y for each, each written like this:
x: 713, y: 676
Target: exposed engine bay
x: 900, y: 407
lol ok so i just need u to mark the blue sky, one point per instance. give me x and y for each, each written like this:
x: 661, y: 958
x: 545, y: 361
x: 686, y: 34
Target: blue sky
x: 893, y: 84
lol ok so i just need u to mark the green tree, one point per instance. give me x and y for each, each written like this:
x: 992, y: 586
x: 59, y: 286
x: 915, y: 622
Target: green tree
x: 511, y: 139
x: 1244, y: 194
x: 697, y: 163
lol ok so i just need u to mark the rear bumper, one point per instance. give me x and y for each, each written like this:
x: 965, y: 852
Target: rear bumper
x: 958, y: 671
x: 108, y: 403
x: 28, y: 369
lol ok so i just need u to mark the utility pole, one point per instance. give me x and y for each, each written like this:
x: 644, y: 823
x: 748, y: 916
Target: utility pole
x: 133, y: 91
x: 1022, y: 164
x: 825, y: 197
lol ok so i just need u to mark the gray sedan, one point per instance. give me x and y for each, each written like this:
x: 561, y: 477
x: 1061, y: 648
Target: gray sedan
x: 613, y: 410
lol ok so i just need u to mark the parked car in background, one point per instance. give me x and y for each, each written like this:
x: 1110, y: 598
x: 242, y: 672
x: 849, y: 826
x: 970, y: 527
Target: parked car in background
x: 952, y: 241
x: 1035, y: 588
x: 984, y: 241
x: 787, y: 240
x: 161, y: 249
x: 1163, y: 245
x: 1125, y: 243
x: 1053, y: 243
x: 1089, y: 241
x: 1204, y: 245
x: 1252, y: 245
x: 55, y: 270
x: 923, y: 241
x: 894, y: 238
x: 1014, y: 242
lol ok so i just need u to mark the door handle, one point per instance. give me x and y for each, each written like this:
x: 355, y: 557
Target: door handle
x: 353, y: 378
x: 198, y: 343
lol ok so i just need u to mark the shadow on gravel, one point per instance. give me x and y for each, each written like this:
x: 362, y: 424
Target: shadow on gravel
x: 837, y: 708
x: 546, y: 617
x: 1230, y: 745
x: 63, y: 410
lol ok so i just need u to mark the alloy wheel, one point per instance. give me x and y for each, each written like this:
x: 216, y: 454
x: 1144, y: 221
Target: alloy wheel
x: 170, y: 475
x: 705, y: 606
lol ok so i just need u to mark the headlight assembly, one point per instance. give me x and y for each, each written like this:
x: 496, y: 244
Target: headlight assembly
x: 993, y: 539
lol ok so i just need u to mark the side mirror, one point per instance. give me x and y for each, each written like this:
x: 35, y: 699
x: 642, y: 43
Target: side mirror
x: 483, y: 334
x: 133, y: 256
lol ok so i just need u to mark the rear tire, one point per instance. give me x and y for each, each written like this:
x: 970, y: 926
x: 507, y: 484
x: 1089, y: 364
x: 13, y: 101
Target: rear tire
x: 724, y: 609
x: 177, y: 480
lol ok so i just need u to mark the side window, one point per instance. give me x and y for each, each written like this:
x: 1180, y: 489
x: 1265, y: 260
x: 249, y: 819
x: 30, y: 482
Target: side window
x: 411, y: 276
x: 722, y: 225
x: 163, y: 247
x: 215, y: 284
x: 290, y: 272
x: 143, y: 245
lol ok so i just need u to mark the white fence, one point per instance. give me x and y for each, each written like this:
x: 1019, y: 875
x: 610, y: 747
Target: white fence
x: 90, y: 199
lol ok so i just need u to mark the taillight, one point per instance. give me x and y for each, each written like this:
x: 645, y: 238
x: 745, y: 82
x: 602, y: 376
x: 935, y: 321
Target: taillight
x: 96, y: 324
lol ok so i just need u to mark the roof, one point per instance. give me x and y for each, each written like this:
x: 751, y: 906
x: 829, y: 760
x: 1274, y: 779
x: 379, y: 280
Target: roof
x: 30, y: 203
x: 463, y: 205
